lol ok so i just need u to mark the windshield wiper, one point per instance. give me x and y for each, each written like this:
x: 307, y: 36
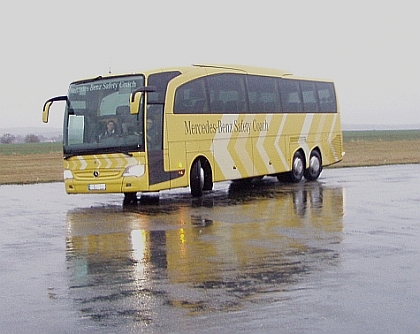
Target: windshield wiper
x: 126, y: 153
x: 68, y: 156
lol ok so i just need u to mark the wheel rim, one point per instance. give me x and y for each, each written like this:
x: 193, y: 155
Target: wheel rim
x: 197, y: 179
x: 201, y: 177
x: 297, y: 168
x: 314, y: 165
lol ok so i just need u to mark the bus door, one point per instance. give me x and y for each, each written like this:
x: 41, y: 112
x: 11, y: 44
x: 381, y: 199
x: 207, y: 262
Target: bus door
x: 155, y: 129
x: 154, y: 142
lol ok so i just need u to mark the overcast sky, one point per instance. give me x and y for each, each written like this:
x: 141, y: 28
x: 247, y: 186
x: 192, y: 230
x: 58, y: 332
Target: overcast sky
x: 369, y: 48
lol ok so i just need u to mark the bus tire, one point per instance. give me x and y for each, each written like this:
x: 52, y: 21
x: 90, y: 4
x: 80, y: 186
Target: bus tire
x: 130, y: 199
x: 298, y: 167
x: 283, y: 177
x: 196, y: 179
x: 315, y: 166
x: 208, y: 176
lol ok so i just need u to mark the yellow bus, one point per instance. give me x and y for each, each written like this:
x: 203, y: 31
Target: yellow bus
x: 193, y: 126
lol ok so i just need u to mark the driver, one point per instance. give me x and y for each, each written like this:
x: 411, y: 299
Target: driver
x: 110, y: 130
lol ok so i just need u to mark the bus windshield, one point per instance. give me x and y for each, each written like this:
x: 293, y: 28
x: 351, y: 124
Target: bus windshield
x: 98, y: 119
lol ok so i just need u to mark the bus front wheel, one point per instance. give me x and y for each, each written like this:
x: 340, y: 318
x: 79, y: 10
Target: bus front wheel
x: 197, y: 179
x: 130, y: 199
x: 315, y: 166
x: 208, y: 177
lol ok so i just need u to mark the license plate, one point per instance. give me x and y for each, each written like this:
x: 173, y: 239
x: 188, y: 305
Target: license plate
x: 100, y: 186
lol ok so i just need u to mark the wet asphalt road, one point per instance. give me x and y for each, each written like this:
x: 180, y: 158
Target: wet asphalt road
x: 337, y: 255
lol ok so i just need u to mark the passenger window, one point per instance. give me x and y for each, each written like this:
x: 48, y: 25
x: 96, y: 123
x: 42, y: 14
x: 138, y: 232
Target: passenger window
x: 191, y: 98
x: 227, y: 93
x: 263, y: 94
x: 326, y: 95
x: 290, y: 96
x: 310, y: 96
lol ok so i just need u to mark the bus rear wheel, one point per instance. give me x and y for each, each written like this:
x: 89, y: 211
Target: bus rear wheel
x: 298, y: 167
x: 197, y: 179
x: 315, y: 166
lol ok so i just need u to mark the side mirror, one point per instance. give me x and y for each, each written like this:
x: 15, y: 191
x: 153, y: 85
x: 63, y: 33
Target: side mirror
x: 47, y: 105
x: 46, y: 111
x: 136, y: 96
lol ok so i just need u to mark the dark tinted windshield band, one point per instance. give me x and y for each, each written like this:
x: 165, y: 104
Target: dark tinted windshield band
x: 236, y: 93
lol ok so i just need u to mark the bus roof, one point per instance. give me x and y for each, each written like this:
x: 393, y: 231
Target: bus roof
x: 227, y: 67
x: 247, y: 69
x: 185, y: 69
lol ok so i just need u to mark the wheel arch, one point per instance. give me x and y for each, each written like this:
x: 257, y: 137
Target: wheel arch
x: 204, y: 161
x: 208, y: 174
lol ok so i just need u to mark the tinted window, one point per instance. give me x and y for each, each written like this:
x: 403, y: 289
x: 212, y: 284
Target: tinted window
x: 191, y: 98
x: 160, y: 81
x: 326, y: 95
x: 290, y: 96
x: 263, y: 94
x: 227, y: 93
x: 154, y: 127
x: 310, y: 96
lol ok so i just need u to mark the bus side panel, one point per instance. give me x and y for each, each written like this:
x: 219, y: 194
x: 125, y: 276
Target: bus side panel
x: 233, y: 150
x: 259, y: 129
x: 241, y: 146
x: 178, y: 161
x: 271, y: 145
x: 224, y: 163
x: 332, y: 143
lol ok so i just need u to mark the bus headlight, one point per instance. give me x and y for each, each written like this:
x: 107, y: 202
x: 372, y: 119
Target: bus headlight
x: 136, y: 170
x: 67, y: 174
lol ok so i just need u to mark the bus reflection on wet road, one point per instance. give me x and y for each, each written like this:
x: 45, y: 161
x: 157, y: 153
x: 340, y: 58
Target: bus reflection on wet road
x: 244, y: 246
x: 336, y: 255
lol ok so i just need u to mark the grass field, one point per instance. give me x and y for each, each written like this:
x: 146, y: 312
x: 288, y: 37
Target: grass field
x: 373, y: 148
x: 381, y: 135
x: 43, y: 162
x: 30, y: 148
